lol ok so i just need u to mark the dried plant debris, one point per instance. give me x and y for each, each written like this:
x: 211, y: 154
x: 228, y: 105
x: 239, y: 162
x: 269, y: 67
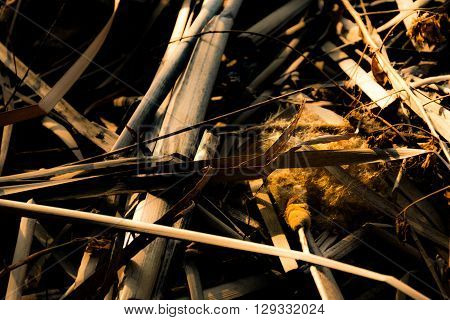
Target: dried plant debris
x: 294, y: 189
x: 313, y: 126
x: 430, y: 30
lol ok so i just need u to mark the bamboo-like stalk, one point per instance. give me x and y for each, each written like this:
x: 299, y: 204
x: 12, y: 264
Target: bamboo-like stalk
x: 193, y: 280
x: 184, y: 21
x: 206, y: 150
x: 23, y: 247
x: 276, y: 20
x: 238, y: 288
x: 195, y: 89
x: 207, y: 147
x: 293, y: 67
x: 166, y: 76
x: 272, y: 223
x: 7, y: 130
x: 361, y: 78
x: 89, y: 261
x: 322, y: 237
x: 100, y: 136
x: 326, y: 243
x: 181, y: 24
x: 323, y: 278
x: 34, y: 210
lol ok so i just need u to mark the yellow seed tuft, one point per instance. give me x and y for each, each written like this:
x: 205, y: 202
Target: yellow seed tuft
x: 297, y: 215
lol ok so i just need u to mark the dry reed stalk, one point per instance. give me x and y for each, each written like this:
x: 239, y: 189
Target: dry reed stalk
x: 323, y: 278
x: 23, y: 246
x: 439, y: 115
x: 207, y: 148
x: 62, y: 171
x: 34, y: 210
x: 236, y: 289
x: 361, y: 78
x: 295, y: 28
x: 193, y: 280
x: 89, y: 260
x: 7, y: 130
x: 182, y: 24
x: 195, y: 89
x: 166, y: 76
x: 270, y: 218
